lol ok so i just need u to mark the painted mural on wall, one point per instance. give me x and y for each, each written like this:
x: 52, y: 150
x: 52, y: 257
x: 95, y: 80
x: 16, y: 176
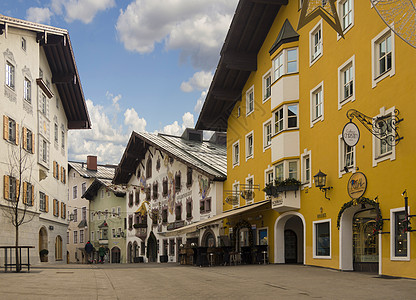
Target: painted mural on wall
x: 204, y: 186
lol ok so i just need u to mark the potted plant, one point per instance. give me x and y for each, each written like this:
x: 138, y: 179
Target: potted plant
x: 289, y: 184
x: 43, y: 255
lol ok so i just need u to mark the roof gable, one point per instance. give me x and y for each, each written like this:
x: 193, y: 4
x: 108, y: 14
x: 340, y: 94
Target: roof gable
x: 286, y: 35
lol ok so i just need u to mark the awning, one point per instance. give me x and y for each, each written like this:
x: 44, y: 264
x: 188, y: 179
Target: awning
x: 197, y: 225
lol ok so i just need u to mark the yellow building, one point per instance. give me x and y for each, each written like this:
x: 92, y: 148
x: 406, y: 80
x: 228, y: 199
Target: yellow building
x: 282, y: 95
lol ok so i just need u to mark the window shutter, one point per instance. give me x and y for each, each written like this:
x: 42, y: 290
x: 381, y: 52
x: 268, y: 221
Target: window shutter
x: 17, y: 188
x: 33, y: 143
x: 54, y: 169
x: 5, y: 127
x: 17, y: 134
x: 24, y: 192
x: 54, y: 207
x: 62, y: 210
x: 24, y: 138
x: 46, y: 203
x: 6, y: 187
x: 57, y: 208
x: 57, y: 171
x: 33, y: 195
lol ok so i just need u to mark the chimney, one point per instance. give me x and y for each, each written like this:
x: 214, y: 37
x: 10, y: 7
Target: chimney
x: 92, y: 163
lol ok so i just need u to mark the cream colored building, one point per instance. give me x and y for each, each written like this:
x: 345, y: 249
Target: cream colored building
x: 41, y: 99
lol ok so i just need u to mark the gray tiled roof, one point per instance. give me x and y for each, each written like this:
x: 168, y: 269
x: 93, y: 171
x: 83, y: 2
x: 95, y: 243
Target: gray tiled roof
x: 206, y: 156
x: 103, y: 171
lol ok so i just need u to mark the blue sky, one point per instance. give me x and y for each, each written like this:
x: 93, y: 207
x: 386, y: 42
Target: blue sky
x: 145, y: 65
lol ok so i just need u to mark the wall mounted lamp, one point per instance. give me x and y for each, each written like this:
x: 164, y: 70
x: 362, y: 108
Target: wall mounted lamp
x: 320, y: 182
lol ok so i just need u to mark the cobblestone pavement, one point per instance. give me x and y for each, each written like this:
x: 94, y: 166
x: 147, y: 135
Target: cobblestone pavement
x: 172, y: 281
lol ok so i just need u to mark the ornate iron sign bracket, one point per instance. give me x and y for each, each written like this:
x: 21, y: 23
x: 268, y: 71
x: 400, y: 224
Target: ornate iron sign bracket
x: 384, y: 128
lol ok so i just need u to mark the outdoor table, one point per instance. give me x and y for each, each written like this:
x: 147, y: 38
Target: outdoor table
x: 10, y: 264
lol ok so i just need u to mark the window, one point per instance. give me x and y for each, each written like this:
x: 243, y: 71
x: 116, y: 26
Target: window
x: 238, y: 111
x: 236, y: 153
x: 10, y: 130
x: 155, y: 193
x: 384, y: 148
x: 178, y: 212
x: 81, y: 236
x: 346, y: 74
x: 27, y: 90
x: 250, y: 101
x: 75, y: 237
x: 315, y: 40
x: 11, y: 188
x: 63, y: 210
x: 43, y: 104
x: 155, y: 216
x: 178, y: 181
x: 130, y: 222
x: 165, y: 187
x: 346, y: 157
x: 10, y: 75
x: 44, y: 151
x: 23, y: 44
x: 399, y: 238
x: 345, y: 7
x: 74, y: 192
x: 63, y: 175
x: 113, y: 232
x: 56, y: 133
x: 28, y: 194
x: 164, y: 215
x: 279, y: 172
x: 62, y: 137
x: 142, y: 248
x: 306, y: 168
x: 118, y: 211
x: 269, y: 176
x: 43, y: 202
x: 267, y: 86
x: 249, y: 146
x: 149, y: 168
x: 75, y: 215
x: 84, y: 187
x: 383, y: 61
x: 286, y: 118
x: 189, y: 177
x: 267, y: 134
x: 55, y: 170
x: 172, y: 247
x: 205, y: 205
x: 322, y: 239
x: 137, y: 196
x: 28, y: 140
x: 131, y: 198
x: 286, y: 169
x: 236, y: 194
x: 293, y: 169
x: 55, y: 207
x: 286, y: 62
x: 84, y: 213
x: 189, y: 208
x: 317, y: 104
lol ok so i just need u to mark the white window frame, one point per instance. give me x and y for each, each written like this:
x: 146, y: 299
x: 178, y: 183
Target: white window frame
x: 350, y: 63
x: 285, y: 119
x: 249, y: 92
x: 247, y: 153
x: 341, y: 158
x: 10, y: 75
x: 392, y: 236
x: 375, y: 42
x: 285, y: 164
x: 62, y: 137
x: 266, y: 87
x: 313, y: 92
x: 268, y: 171
x: 391, y: 155
x: 341, y: 14
x: 24, y: 44
x: 282, y: 57
x: 315, y: 256
x: 307, y: 154
x: 314, y: 56
x: 250, y: 177
x: 27, y: 90
x: 75, y: 192
x: 267, y: 134
x: 236, y: 160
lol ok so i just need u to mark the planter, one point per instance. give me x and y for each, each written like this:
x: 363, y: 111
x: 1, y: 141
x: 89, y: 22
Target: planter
x: 284, y: 188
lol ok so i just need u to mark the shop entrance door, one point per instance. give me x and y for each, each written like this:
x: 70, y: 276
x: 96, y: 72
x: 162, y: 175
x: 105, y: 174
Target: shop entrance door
x: 365, y: 243
x: 291, y: 247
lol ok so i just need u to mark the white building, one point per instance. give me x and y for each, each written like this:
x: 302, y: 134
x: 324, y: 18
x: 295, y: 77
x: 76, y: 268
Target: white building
x: 80, y: 176
x: 172, y: 182
x: 41, y: 99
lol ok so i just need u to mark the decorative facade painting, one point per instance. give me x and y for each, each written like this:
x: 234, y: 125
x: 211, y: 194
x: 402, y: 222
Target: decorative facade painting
x: 204, y: 186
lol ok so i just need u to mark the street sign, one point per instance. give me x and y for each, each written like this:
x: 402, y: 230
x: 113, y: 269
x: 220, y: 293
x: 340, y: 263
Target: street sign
x: 351, y: 134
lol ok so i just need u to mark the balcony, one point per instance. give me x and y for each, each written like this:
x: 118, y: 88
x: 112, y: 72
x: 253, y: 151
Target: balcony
x: 286, y: 200
x: 103, y: 241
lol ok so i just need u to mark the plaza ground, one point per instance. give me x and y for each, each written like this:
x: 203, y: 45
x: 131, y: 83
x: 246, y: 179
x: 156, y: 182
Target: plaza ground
x: 172, y: 281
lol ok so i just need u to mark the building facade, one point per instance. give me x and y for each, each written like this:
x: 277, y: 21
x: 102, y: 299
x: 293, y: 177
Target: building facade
x: 107, y: 218
x: 42, y: 99
x: 284, y: 115
x: 173, y: 183
x: 80, y: 176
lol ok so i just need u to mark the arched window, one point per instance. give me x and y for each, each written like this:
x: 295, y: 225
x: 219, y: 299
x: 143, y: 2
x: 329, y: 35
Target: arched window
x: 149, y: 168
x: 58, y: 248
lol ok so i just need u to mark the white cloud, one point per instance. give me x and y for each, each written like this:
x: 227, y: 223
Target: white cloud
x: 176, y: 129
x: 195, y: 27
x: 200, y: 102
x: 114, y: 100
x: 199, y: 81
x: 133, y: 121
x: 39, y: 15
x: 82, y: 10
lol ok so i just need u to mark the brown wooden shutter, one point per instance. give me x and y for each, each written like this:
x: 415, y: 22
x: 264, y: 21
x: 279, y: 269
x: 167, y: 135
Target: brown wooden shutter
x: 46, y: 203
x: 17, y: 134
x: 54, y: 169
x: 24, y: 138
x: 62, y: 209
x: 57, y: 171
x: 33, y: 195
x: 6, y: 187
x: 62, y: 174
x: 54, y: 207
x: 57, y: 208
x: 24, y: 192
x: 5, y: 127
x: 33, y: 143
x: 17, y: 188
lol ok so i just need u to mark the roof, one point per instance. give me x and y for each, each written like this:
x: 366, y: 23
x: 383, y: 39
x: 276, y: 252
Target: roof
x: 103, y: 171
x: 92, y: 190
x: 206, y: 157
x: 59, y: 53
x: 286, y: 35
x: 248, y: 30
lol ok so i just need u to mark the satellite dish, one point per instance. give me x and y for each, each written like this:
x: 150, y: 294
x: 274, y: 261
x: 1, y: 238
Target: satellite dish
x: 400, y: 16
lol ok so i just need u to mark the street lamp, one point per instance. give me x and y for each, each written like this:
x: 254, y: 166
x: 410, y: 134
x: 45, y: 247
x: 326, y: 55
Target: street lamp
x: 320, y: 182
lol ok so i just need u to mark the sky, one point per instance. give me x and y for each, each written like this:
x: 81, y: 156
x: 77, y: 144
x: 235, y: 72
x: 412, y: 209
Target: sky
x: 144, y: 65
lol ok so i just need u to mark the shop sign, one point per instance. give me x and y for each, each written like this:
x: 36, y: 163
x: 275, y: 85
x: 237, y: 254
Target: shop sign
x: 175, y: 225
x: 277, y: 202
x: 357, y: 185
x: 351, y: 134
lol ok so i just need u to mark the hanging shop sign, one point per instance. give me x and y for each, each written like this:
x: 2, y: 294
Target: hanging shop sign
x: 277, y: 201
x: 351, y: 134
x: 357, y: 185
